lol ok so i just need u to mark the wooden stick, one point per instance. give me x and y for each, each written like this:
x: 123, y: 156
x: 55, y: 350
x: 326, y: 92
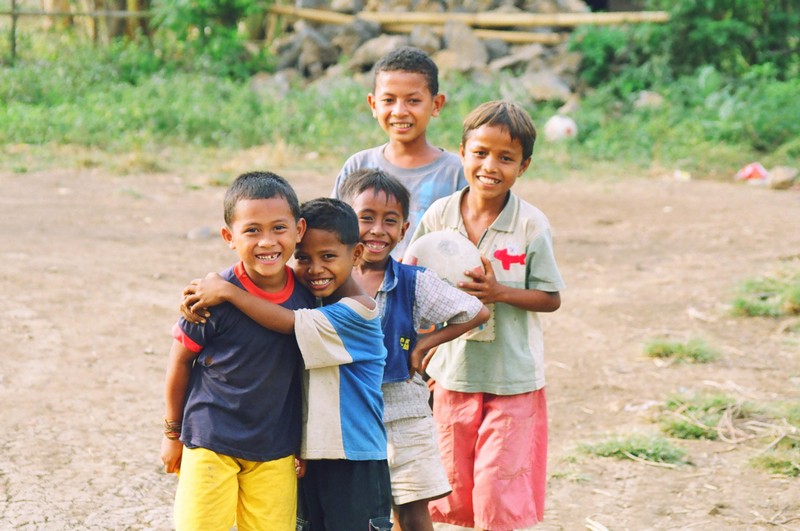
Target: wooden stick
x: 92, y: 14
x: 647, y: 462
x: 314, y: 15
x: 13, y: 34
x: 479, y: 19
x: 514, y: 37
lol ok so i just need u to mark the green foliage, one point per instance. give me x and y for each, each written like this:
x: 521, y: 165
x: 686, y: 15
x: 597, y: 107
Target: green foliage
x: 731, y: 35
x: 134, y: 94
x: 769, y: 296
x: 693, y: 351
x: 701, y: 115
x: 653, y: 449
x: 627, y: 58
x: 204, y: 35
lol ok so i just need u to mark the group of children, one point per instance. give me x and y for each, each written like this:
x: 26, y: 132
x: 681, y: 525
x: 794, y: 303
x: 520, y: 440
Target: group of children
x: 314, y: 370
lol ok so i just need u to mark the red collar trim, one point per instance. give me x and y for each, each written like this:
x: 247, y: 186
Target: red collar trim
x: 277, y: 297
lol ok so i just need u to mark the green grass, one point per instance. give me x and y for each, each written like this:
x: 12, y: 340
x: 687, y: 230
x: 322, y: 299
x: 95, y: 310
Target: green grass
x: 129, y: 97
x: 653, y: 449
x: 775, y: 295
x: 692, y: 351
x: 779, y: 462
x: 775, y: 427
x: 698, y: 417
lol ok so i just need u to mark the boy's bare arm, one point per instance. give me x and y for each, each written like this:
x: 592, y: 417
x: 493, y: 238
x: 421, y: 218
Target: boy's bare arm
x: 486, y: 287
x: 421, y: 355
x: 213, y: 290
x: 179, y: 368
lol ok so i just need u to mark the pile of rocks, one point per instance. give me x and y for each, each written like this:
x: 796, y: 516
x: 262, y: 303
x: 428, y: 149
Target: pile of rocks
x: 316, y: 52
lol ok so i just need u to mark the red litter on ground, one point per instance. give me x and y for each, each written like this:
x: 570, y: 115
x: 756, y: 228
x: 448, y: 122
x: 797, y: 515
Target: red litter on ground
x: 752, y: 172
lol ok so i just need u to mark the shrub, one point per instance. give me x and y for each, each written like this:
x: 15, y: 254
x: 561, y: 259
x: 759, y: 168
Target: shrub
x: 205, y: 34
x: 730, y: 35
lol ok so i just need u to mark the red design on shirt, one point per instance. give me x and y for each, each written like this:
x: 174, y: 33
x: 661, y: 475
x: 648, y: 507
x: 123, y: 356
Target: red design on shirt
x: 508, y: 259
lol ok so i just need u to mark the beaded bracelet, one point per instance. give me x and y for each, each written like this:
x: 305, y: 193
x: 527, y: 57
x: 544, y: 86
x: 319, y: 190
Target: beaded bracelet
x: 172, y: 429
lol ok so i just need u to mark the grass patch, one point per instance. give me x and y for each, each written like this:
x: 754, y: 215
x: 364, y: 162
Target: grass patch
x: 776, y: 295
x: 718, y: 417
x: 701, y: 417
x: 780, y: 462
x: 692, y: 351
x: 651, y: 449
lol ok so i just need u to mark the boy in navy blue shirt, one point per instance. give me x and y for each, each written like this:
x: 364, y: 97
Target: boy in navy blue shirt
x: 346, y: 483
x: 233, y: 407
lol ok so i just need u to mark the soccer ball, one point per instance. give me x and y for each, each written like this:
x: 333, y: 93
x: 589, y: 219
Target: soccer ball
x: 560, y: 127
x: 446, y: 253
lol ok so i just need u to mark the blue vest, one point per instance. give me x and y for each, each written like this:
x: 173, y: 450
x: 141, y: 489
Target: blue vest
x: 397, y: 318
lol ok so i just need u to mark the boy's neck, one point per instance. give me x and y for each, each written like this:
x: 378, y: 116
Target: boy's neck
x: 478, y: 213
x: 366, y: 267
x: 411, y: 154
x: 351, y: 289
x: 370, y: 275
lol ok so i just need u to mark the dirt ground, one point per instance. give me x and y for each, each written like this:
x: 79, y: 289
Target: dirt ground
x: 93, y: 265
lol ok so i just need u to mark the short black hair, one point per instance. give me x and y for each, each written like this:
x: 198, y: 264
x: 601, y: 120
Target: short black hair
x: 259, y: 185
x: 507, y: 115
x: 332, y: 215
x: 409, y: 59
x: 358, y: 181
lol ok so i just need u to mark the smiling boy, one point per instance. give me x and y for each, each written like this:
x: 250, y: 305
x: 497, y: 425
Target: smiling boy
x: 409, y: 298
x: 346, y: 483
x: 405, y: 96
x: 232, y: 392
x: 489, y: 397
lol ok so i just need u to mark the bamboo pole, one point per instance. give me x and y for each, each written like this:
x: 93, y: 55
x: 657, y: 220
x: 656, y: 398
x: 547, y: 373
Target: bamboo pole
x: 491, y: 19
x: 314, y: 15
x: 92, y: 14
x: 513, y: 37
x: 13, y: 34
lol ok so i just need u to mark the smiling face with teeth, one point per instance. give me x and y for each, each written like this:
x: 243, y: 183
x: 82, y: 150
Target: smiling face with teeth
x: 492, y: 161
x: 324, y: 264
x: 403, y: 105
x: 380, y: 222
x: 264, y: 234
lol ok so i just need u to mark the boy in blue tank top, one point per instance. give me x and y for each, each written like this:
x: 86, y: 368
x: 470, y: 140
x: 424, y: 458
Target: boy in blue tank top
x: 233, y: 407
x: 409, y: 298
x: 345, y: 485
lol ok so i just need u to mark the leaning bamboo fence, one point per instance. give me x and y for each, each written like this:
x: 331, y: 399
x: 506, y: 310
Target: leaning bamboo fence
x: 487, y: 25
x: 404, y: 22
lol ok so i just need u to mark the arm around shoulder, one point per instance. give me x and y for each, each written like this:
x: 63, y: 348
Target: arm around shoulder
x: 213, y: 290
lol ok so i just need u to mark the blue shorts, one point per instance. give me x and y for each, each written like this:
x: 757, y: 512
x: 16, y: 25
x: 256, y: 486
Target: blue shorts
x: 343, y: 495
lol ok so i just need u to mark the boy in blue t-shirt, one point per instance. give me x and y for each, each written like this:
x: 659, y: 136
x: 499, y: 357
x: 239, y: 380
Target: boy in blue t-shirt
x: 232, y: 414
x: 405, y: 96
x: 346, y: 482
x: 409, y: 298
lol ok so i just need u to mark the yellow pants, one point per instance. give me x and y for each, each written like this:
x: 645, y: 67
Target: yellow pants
x: 216, y: 490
